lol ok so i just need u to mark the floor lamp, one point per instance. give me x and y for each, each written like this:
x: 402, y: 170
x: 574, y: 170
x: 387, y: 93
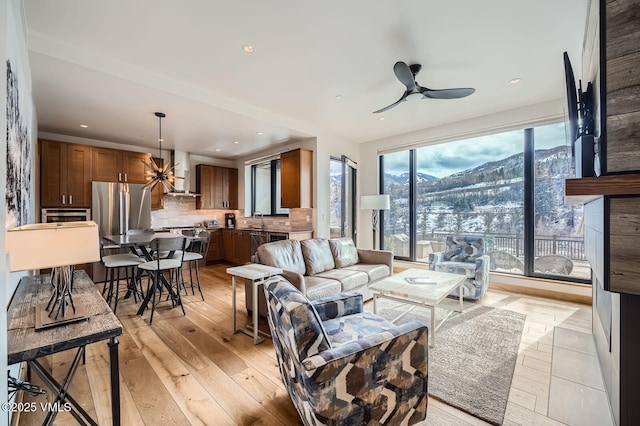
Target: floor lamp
x: 375, y: 203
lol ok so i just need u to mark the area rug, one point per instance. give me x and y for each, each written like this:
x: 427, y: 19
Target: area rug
x: 472, y: 364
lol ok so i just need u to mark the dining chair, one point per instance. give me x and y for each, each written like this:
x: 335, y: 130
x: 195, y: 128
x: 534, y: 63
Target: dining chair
x: 113, y: 264
x: 157, y: 267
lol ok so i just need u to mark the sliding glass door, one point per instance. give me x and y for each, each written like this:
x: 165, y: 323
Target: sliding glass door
x: 342, y: 197
x: 396, y: 222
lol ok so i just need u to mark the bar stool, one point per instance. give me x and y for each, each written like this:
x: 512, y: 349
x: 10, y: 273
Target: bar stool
x: 156, y: 268
x: 197, y: 251
x: 113, y: 263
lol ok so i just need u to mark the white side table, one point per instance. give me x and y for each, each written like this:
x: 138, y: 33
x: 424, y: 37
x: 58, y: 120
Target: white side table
x: 257, y: 274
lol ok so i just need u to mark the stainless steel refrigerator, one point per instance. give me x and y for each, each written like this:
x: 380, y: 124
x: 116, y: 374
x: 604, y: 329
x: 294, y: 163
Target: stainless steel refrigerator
x: 116, y: 208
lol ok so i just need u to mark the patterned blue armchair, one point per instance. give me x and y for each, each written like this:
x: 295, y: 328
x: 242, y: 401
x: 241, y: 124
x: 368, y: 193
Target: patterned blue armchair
x: 465, y: 256
x: 343, y: 366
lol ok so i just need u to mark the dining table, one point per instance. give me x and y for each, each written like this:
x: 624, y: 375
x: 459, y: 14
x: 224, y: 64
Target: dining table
x: 141, y: 242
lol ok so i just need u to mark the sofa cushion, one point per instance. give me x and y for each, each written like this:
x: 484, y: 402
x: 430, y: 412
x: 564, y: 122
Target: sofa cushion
x: 344, y: 251
x: 375, y: 272
x: 348, y: 279
x: 317, y: 255
x: 319, y: 287
x: 285, y: 254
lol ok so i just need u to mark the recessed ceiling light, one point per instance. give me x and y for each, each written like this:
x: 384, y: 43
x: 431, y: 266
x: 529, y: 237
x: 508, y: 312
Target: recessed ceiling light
x: 515, y: 80
x: 381, y: 118
x: 259, y: 133
x: 217, y: 149
x: 84, y: 126
x: 338, y: 97
x: 247, y: 48
x: 236, y: 142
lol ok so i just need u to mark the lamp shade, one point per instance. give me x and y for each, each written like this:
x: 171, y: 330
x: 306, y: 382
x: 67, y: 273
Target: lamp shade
x: 375, y: 202
x: 48, y: 245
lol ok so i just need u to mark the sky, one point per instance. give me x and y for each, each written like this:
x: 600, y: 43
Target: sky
x: 448, y: 158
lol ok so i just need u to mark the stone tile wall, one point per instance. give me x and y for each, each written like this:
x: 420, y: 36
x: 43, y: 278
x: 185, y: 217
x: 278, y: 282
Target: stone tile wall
x: 181, y: 211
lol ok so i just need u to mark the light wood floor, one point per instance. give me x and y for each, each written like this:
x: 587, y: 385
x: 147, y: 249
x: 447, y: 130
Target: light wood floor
x: 193, y: 370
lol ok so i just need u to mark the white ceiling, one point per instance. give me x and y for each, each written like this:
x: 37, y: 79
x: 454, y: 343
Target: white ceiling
x: 111, y: 64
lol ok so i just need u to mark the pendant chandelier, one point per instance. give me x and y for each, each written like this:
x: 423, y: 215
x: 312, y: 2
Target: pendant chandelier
x: 160, y: 174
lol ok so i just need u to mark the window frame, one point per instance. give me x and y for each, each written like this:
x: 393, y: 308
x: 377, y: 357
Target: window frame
x: 528, y: 135
x: 274, y: 183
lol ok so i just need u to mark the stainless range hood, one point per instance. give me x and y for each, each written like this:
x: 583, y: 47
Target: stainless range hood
x: 182, y: 168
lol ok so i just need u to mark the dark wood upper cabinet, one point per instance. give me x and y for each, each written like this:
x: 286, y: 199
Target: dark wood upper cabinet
x: 106, y: 165
x: 217, y: 186
x: 157, y: 195
x: 112, y: 165
x: 204, y: 186
x: 296, y: 169
x: 65, y: 174
x: 133, y: 166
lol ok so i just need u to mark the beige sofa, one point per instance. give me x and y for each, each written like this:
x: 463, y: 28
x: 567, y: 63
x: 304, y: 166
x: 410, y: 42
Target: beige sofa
x: 319, y: 267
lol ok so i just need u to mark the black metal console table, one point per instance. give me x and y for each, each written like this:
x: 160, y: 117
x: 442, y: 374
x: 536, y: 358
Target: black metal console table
x: 24, y: 343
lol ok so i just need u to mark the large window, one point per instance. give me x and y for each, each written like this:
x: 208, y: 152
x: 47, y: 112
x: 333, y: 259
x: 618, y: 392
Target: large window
x: 478, y: 187
x: 265, y: 189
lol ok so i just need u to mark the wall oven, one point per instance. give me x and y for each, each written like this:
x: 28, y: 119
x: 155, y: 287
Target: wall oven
x: 65, y: 215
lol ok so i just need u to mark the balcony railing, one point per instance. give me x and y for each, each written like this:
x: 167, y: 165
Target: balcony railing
x: 571, y: 247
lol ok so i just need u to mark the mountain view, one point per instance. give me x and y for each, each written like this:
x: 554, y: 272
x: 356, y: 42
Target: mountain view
x: 486, y: 199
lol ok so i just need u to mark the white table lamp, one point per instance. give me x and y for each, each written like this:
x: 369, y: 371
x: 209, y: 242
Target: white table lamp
x: 58, y: 246
x: 375, y: 203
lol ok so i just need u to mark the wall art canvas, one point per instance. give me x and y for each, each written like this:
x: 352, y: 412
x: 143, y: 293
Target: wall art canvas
x: 20, y: 159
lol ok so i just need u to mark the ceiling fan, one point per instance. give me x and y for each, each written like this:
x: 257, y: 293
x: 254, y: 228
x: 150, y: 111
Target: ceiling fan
x: 407, y: 76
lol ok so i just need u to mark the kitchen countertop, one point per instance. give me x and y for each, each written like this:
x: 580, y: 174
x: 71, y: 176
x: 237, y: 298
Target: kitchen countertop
x: 267, y: 229
x: 282, y: 230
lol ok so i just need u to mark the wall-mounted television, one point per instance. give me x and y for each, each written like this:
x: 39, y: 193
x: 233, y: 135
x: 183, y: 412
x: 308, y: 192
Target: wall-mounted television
x: 580, y: 122
x: 579, y: 104
x: 572, y: 100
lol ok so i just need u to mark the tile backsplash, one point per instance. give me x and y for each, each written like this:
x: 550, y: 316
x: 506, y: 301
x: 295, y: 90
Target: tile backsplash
x: 181, y: 211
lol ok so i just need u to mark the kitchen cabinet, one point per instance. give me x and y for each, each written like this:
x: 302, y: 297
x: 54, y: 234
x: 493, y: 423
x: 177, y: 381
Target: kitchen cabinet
x: 157, y: 195
x: 217, y: 186
x: 65, y: 174
x: 236, y: 246
x: 214, y: 254
x: 225, y: 194
x: 243, y: 247
x: 296, y: 180
x: 112, y: 165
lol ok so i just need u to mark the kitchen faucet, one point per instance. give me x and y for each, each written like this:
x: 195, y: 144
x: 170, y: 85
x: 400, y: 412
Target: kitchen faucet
x: 261, y: 217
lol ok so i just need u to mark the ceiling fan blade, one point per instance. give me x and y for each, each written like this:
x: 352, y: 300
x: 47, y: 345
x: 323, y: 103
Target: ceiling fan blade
x: 403, y: 73
x: 446, y: 93
x: 403, y: 98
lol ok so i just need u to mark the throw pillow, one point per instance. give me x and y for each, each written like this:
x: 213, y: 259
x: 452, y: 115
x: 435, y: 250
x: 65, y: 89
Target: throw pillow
x: 344, y: 252
x: 317, y: 255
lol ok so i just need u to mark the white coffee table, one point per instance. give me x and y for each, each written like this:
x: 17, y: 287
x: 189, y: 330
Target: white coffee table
x: 419, y: 295
x: 257, y: 274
